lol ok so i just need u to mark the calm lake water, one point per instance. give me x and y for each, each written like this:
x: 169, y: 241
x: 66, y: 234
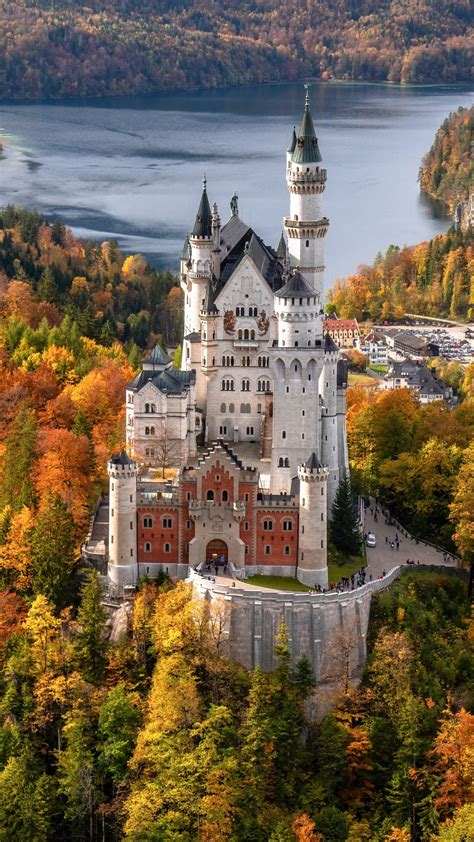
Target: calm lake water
x: 132, y: 167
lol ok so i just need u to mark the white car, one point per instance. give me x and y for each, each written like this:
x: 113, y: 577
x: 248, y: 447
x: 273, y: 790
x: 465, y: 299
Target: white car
x: 371, y: 540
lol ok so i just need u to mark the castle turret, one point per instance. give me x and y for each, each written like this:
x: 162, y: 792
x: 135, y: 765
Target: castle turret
x: 216, y: 242
x: 123, y: 561
x: 199, y: 265
x: 329, y: 416
x: 312, y: 542
x: 306, y: 226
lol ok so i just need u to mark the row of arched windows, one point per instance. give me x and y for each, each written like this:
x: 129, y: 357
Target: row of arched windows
x: 150, y: 407
x: 240, y: 311
x: 210, y: 495
x: 148, y: 520
x: 228, y: 361
x: 148, y: 547
x: 268, y: 525
x: 268, y: 550
x: 149, y: 431
x: 283, y: 462
x: 246, y: 334
x: 263, y: 386
x: 264, y: 362
x: 244, y: 408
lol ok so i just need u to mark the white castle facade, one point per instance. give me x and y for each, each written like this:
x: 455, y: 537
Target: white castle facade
x: 256, y: 366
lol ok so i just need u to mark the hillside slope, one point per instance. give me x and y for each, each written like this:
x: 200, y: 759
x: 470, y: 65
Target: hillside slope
x: 66, y: 48
x: 447, y: 170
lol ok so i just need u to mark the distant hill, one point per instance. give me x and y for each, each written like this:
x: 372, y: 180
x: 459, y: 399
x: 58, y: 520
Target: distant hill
x: 63, y: 48
x: 447, y: 170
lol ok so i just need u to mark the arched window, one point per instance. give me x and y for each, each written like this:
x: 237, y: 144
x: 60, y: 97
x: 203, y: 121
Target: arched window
x: 147, y: 407
x: 223, y: 406
x: 280, y: 462
x: 147, y: 431
x: 152, y: 431
x: 167, y: 523
x: 245, y: 385
x: 148, y: 522
x: 287, y: 462
x: 166, y: 548
x: 252, y: 334
x: 268, y: 526
x: 283, y: 434
x: 231, y: 408
x: 287, y: 551
x: 246, y: 334
x: 239, y: 334
x: 147, y: 547
x: 225, y: 496
x: 267, y: 549
x: 153, y: 408
x: 210, y: 494
x: 287, y: 526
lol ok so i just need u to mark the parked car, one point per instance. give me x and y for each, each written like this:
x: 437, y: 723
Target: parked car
x: 371, y: 540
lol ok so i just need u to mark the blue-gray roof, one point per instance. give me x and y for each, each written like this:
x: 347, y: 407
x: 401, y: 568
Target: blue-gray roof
x: 203, y: 223
x: 295, y: 285
x: 306, y: 150
x: 157, y: 356
x: 171, y: 380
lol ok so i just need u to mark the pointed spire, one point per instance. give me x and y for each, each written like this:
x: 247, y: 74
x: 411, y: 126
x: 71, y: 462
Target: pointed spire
x: 209, y: 306
x: 313, y: 462
x: 306, y: 150
x: 282, y: 251
x: 203, y: 224
x: 292, y: 145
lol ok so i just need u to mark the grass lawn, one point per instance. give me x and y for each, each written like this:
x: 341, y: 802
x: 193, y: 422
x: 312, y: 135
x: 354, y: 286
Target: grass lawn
x: 379, y: 369
x: 361, y: 379
x: 352, y: 565
x: 281, y: 583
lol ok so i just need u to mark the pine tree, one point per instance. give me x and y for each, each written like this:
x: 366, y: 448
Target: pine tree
x: 82, y: 425
x: 53, y: 544
x: 47, y: 287
x: 16, y: 487
x: 91, y: 645
x: 345, y: 528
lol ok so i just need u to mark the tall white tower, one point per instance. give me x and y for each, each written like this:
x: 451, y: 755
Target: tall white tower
x: 196, y: 271
x: 330, y: 416
x: 306, y: 226
x: 123, y: 556
x: 312, y: 541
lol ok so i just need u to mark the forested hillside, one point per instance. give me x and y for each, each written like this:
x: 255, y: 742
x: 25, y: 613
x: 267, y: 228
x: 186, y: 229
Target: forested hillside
x: 447, y: 170
x: 63, y: 48
x: 434, y: 278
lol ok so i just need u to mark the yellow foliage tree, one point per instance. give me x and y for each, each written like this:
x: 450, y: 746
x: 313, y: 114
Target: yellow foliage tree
x: 15, y: 552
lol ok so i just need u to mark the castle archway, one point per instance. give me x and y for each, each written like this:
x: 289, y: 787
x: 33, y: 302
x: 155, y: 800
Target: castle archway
x: 217, y: 552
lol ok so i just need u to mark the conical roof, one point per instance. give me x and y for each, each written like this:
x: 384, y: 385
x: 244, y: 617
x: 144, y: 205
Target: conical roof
x: 209, y: 305
x: 282, y: 251
x: 292, y: 145
x: 329, y: 344
x: 203, y: 224
x: 295, y: 285
x: 157, y: 356
x: 313, y: 462
x: 121, y: 458
x: 186, y: 251
x: 306, y: 150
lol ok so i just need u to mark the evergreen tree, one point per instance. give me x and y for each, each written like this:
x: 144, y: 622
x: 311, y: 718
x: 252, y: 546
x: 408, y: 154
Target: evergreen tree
x: 119, y: 720
x: 53, y: 543
x: 77, y: 776
x: 26, y: 800
x: 82, y: 425
x: 345, y: 528
x: 16, y: 488
x: 91, y: 645
x: 47, y: 287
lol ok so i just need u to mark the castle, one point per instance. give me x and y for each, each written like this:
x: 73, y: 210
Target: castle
x: 254, y: 420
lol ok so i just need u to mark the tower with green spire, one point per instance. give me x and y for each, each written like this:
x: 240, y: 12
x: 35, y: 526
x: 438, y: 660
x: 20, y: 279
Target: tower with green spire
x: 306, y: 226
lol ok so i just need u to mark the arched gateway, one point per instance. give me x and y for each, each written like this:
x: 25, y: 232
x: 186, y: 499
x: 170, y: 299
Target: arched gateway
x: 217, y: 553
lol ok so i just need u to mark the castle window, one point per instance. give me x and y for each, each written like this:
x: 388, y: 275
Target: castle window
x: 283, y: 434
x: 303, y: 502
x: 302, y: 413
x: 302, y: 530
x: 223, y: 430
x: 246, y: 334
x: 210, y: 494
x: 287, y: 462
x: 166, y: 548
x: 240, y: 311
x: 239, y: 334
x: 246, y: 497
x: 147, y: 431
x: 112, y: 513
x: 231, y: 408
x: 253, y: 311
x: 259, y: 408
x: 267, y: 549
x: 296, y: 344
x: 223, y: 407
x: 245, y: 385
x: 153, y: 408
x: 302, y: 556
x: 287, y: 526
x: 147, y: 522
x: 131, y: 498
x: 252, y: 334
x: 322, y: 545
x: 302, y: 436
x: 287, y: 550
x: 131, y: 524
x: 246, y: 526
x: 322, y: 489
x: 268, y: 526
x: 280, y: 462
x: 147, y: 407
x: 307, y: 244
x: 131, y: 553
x: 167, y: 523
x: 246, y: 550
x: 189, y: 496
x: 152, y: 431
x: 147, y: 547
x: 287, y: 390
x: 250, y: 431
x: 225, y: 496
x: 322, y: 515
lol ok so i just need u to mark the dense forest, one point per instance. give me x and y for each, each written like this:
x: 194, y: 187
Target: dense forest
x: 447, y: 170
x: 63, y: 48
x: 434, y: 278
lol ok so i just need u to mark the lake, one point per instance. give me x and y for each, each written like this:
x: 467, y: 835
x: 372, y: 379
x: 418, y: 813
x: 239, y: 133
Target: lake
x: 131, y: 168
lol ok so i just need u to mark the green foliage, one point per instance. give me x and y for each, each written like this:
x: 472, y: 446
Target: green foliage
x: 119, y: 720
x: 91, y: 646
x: 447, y: 171
x: 27, y: 802
x: 53, y: 546
x: 16, y: 487
x: 345, y: 527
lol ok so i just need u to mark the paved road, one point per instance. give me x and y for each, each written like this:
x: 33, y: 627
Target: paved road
x: 382, y: 557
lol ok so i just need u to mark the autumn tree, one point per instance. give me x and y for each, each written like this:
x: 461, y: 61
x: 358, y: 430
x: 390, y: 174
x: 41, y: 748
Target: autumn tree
x: 53, y: 551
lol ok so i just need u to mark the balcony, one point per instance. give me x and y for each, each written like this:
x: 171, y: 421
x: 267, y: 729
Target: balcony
x: 245, y: 343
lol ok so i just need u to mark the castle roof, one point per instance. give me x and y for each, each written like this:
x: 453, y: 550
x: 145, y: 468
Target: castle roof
x: 342, y: 372
x: 306, y: 150
x: 185, y: 253
x: 209, y: 306
x: 203, y: 223
x: 263, y: 256
x: 194, y: 336
x: 292, y: 145
x: 329, y: 344
x: 157, y: 356
x: 171, y: 380
x: 121, y: 458
x: 295, y: 285
x: 313, y: 462
x: 282, y: 250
